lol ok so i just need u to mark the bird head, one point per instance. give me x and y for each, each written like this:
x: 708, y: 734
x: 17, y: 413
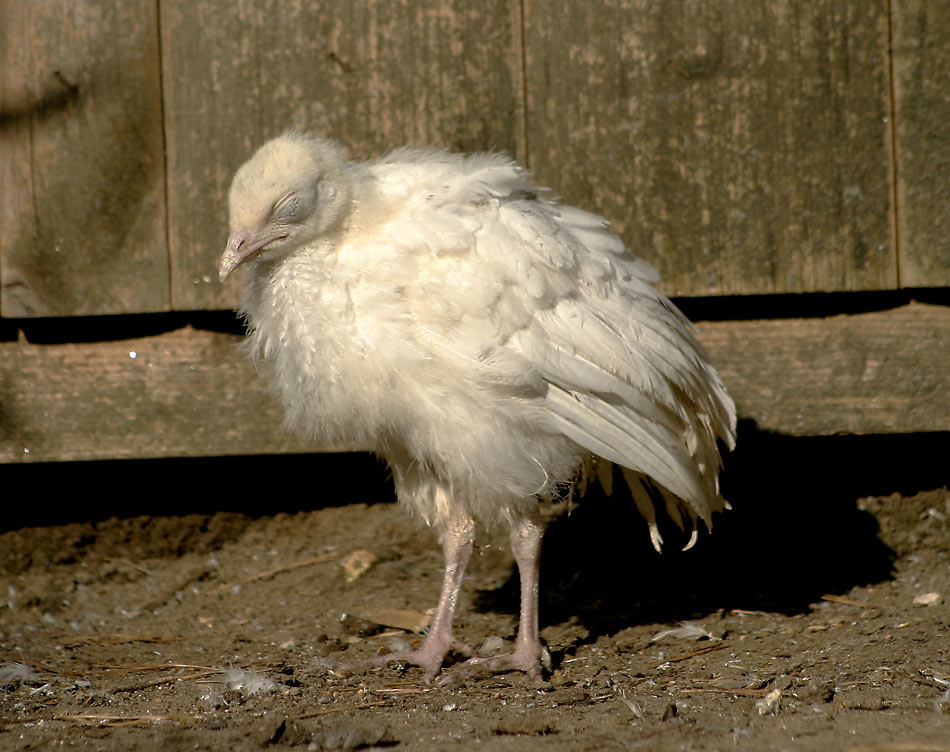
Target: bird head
x: 293, y: 190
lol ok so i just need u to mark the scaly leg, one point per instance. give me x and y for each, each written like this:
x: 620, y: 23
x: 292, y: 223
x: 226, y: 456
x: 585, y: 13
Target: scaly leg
x: 529, y: 655
x: 457, y: 548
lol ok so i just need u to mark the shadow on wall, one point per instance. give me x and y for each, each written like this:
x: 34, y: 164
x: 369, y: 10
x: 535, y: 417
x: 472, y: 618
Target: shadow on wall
x: 257, y: 486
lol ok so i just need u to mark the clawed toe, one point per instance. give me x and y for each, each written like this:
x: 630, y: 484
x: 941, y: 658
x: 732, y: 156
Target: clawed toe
x: 431, y: 659
x: 531, y: 661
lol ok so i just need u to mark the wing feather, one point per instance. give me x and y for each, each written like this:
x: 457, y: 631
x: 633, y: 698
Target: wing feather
x: 616, y: 366
x: 627, y: 378
x: 623, y: 439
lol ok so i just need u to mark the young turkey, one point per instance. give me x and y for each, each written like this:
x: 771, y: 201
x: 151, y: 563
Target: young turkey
x: 492, y: 346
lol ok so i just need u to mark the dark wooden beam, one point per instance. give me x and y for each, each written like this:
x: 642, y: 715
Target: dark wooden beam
x: 190, y: 393
x: 883, y: 372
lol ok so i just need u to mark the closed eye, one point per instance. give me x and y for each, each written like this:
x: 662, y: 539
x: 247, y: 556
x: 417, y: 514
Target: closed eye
x: 286, y: 206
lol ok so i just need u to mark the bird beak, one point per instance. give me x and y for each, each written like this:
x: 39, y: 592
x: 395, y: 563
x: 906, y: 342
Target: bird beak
x: 242, y: 245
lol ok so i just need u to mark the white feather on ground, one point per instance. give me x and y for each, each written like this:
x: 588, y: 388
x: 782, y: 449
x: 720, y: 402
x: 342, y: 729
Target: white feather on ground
x: 687, y: 630
x: 490, y: 344
x: 13, y: 672
x: 248, y: 682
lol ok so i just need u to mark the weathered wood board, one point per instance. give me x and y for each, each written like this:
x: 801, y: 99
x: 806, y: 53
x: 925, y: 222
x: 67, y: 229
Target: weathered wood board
x: 372, y: 74
x: 921, y: 55
x: 742, y: 148
x: 885, y: 372
x: 739, y: 147
x: 182, y: 394
x: 190, y: 393
x: 82, y: 181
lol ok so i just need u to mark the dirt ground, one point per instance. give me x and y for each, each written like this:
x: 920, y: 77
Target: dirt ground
x: 220, y: 605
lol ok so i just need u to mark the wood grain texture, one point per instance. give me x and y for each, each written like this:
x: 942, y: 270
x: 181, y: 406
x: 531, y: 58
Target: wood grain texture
x: 190, y: 393
x: 373, y: 74
x: 82, y: 188
x: 921, y: 53
x: 740, y: 147
x: 884, y: 372
x: 182, y: 394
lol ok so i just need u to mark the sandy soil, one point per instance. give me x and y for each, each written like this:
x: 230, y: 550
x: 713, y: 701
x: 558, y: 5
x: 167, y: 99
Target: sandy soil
x: 805, y: 621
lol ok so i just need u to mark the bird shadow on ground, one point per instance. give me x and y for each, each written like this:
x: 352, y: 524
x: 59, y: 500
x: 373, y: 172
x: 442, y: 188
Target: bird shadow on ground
x: 794, y: 534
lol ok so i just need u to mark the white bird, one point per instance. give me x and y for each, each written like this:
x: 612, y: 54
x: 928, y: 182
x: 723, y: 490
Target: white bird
x: 492, y: 346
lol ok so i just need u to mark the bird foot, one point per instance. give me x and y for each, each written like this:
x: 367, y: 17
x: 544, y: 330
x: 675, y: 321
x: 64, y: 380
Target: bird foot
x: 530, y: 658
x: 431, y: 656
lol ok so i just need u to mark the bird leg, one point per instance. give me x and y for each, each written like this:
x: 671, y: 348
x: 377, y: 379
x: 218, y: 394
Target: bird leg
x: 529, y: 654
x: 457, y: 548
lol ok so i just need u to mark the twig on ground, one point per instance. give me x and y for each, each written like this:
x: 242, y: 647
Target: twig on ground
x: 847, y: 601
x: 687, y: 656
x: 277, y: 570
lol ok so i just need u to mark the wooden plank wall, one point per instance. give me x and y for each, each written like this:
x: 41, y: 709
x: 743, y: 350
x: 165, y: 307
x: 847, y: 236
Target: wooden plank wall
x: 921, y: 61
x: 372, y: 74
x: 82, y: 173
x: 743, y: 148
x: 740, y: 147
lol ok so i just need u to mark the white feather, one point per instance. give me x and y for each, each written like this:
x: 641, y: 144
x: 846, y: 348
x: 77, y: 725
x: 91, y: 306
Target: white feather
x: 481, y: 337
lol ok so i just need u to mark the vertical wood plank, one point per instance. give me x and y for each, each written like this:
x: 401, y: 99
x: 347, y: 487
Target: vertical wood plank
x: 921, y: 43
x: 740, y: 147
x: 373, y: 74
x: 82, y: 194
